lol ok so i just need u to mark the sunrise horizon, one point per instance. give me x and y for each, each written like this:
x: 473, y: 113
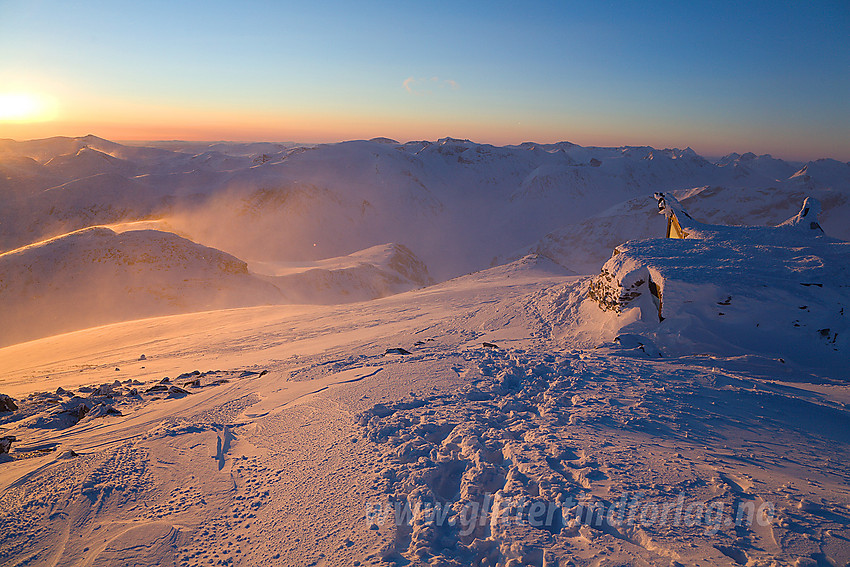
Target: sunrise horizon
x: 772, y: 80
x: 136, y: 135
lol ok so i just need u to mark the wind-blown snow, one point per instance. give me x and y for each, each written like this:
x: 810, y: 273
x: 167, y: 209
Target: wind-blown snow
x: 96, y: 276
x: 685, y: 403
x: 454, y: 203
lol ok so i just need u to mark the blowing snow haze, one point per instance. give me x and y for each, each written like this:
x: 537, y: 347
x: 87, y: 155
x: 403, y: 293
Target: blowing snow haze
x: 424, y: 353
x: 223, y: 222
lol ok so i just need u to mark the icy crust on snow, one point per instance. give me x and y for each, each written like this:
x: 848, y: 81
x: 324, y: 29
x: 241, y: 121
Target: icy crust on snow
x: 308, y: 463
x: 119, y: 470
x: 776, y: 292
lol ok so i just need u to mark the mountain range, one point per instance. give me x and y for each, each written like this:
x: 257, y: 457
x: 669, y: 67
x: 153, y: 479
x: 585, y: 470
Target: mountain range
x: 191, y: 226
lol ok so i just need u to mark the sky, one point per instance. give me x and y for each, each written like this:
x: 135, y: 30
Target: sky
x: 768, y: 77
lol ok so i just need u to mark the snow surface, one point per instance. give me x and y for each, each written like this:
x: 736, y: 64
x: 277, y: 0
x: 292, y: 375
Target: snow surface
x: 519, y: 415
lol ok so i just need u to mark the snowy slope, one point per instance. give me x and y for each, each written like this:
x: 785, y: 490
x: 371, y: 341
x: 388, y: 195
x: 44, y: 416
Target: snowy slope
x: 453, y: 205
x: 368, y: 274
x: 584, y: 245
x: 686, y: 405
x: 97, y: 276
x: 87, y: 161
x: 100, y: 275
x: 289, y: 435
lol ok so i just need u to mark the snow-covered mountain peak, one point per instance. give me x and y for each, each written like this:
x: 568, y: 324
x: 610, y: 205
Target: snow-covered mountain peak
x: 382, y: 140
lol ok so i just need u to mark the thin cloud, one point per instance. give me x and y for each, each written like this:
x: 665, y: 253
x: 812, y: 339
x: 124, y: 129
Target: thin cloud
x: 422, y: 87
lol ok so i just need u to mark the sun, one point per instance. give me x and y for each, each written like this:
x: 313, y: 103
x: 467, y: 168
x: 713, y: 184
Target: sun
x: 25, y: 107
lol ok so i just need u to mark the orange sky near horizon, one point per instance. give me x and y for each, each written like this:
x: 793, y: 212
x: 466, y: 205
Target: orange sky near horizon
x: 133, y: 120
x: 179, y: 124
x: 773, y: 79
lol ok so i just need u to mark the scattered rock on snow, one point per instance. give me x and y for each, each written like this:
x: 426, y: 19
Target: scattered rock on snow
x: 177, y: 391
x: 397, y: 350
x: 63, y: 415
x: 7, y: 403
x: 102, y: 410
x: 6, y: 443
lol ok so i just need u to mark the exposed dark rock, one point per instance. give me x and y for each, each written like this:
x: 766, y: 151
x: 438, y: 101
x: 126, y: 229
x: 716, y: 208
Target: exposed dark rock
x: 6, y: 443
x: 7, y: 403
x: 103, y: 410
x: 398, y: 350
x: 177, y: 391
x: 103, y: 390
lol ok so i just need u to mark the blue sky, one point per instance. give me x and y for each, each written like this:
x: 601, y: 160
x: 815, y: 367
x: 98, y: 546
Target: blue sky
x: 722, y: 76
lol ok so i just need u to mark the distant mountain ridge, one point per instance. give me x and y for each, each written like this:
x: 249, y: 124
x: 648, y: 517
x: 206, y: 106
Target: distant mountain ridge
x: 374, y: 191
x: 449, y: 207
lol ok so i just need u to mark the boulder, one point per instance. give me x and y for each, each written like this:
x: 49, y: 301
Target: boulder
x: 6, y: 443
x: 7, y: 403
x: 397, y: 350
x: 177, y: 391
x: 102, y: 410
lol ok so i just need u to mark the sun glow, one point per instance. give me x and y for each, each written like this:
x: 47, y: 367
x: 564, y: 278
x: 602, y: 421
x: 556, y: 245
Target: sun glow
x: 26, y: 107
